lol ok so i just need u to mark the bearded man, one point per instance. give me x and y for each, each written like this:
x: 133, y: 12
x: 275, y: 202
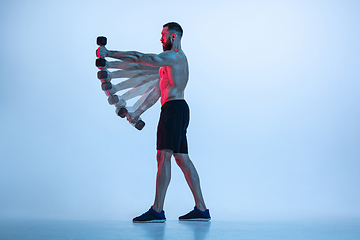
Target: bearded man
x: 173, y: 122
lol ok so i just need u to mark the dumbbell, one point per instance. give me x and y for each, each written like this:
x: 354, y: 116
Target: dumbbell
x: 114, y: 99
x: 100, y: 62
x: 122, y: 112
x: 108, y: 88
x: 103, y: 76
x: 101, y: 41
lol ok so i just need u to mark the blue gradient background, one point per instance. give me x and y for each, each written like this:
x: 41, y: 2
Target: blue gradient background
x: 274, y: 98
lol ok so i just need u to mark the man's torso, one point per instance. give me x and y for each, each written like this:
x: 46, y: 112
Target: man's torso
x: 173, y: 79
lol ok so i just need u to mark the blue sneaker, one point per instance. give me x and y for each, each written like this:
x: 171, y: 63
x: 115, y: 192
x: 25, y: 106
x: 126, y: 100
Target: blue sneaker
x: 196, y: 215
x: 151, y: 216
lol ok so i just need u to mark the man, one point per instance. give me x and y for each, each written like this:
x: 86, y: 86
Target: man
x: 173, y: 122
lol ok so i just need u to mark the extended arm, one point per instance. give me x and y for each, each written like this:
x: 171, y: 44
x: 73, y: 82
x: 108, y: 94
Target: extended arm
x: 151, y: 99
x: 167, y: 58
x: 139, y: 90
x: 129, y: 66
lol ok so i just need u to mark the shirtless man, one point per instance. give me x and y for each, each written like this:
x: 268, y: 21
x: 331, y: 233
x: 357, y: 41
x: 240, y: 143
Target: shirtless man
x: 173, y: 122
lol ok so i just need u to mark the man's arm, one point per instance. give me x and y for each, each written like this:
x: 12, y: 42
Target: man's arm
x: 151, y: 99
x: 166, y: 58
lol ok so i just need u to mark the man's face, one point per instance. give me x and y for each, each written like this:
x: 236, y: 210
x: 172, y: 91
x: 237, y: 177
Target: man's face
x: 166, y: 39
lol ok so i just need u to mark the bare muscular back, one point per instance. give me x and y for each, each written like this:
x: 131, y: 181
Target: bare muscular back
x: 173, y: 79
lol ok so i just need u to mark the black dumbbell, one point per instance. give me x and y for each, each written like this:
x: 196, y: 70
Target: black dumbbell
x: 103, y: 76
x: 114, y: 99
x: 106, y: 86
x: 101, y: 41
x: 100, y: 62
x: 122, y: 112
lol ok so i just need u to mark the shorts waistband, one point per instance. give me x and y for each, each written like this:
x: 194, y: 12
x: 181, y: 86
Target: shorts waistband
x: 172, y: 102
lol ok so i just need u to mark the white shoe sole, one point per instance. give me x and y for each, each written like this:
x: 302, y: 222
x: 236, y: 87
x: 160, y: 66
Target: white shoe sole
x: 196, y: 219
x: 151, y: 221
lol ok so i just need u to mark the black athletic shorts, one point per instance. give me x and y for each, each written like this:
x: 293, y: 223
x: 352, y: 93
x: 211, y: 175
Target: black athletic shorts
x: 173, y: 122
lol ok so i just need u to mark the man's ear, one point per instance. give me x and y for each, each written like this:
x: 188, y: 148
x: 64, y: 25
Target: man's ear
x: 173, y: 36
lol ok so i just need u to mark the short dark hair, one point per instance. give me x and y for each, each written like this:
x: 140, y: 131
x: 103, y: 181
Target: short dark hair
x: 175, y: 27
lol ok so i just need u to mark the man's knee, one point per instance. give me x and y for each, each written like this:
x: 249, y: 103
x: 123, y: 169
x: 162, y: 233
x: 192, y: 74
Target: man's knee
x: 164, y: 155
x: 182, y: 159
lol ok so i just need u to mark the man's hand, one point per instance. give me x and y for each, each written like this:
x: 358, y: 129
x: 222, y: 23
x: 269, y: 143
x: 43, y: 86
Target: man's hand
x: 102, y: 52
x: 132, y: 117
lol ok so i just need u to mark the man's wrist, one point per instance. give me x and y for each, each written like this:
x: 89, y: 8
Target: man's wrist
x: 110, y: 53
x: 138, y: 112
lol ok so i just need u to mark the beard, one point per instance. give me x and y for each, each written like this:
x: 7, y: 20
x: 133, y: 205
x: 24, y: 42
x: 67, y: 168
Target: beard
x: 167, y: 45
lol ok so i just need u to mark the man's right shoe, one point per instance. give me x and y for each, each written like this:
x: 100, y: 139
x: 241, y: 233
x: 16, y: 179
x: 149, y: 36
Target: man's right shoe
x: 196, y: 215
x: 151, y: 216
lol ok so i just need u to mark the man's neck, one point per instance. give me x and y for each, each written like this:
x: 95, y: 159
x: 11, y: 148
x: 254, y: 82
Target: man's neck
x: 176, y: 47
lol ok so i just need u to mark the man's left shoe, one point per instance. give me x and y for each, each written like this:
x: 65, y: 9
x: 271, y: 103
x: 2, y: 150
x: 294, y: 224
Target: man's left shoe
x: 196, y: 215
x: 151, y: 216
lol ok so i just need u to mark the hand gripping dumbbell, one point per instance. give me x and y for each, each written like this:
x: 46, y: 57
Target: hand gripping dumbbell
x: 101, y: 62
x: 122, y: 112
x: 106, y: 85
x: 119, y: 102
